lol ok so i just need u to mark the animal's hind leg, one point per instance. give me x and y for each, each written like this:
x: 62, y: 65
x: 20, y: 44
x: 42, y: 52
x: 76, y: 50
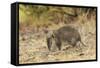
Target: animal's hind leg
x: 80, y: 43
x: 80, y: 49
x: 79, y: 46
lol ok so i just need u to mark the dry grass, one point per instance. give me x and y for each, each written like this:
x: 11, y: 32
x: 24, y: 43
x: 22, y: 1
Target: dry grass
x: 32, y: 39
x: 33, y: 47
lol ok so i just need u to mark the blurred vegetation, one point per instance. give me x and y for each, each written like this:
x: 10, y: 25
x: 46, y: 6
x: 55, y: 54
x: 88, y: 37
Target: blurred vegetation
x: 32, y: 16
x: 34, y: 20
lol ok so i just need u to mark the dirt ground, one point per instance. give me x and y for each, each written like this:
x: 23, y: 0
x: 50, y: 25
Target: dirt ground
x: 33, y: 46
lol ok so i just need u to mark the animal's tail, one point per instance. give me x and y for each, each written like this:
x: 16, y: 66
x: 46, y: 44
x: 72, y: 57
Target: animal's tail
x: 82, y: 43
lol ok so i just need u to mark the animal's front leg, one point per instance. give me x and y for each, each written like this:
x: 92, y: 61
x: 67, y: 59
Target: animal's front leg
x: 49, y: 43
x: 58, y: 44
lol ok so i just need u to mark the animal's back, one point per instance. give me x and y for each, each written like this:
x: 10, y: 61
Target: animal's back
x: 67, y: 33
x: 67, y: 28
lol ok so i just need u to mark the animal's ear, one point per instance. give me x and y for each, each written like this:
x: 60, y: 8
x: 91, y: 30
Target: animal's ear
x: 53, y: 35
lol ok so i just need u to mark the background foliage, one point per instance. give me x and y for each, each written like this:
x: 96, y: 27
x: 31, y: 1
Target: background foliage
x: 36, y: 16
